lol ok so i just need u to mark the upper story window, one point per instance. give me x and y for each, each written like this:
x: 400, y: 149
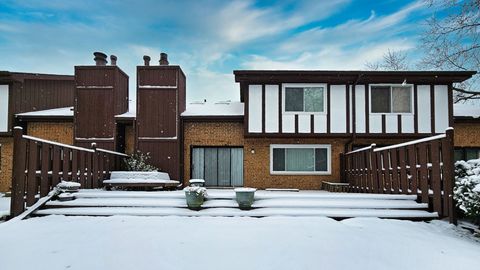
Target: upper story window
x: 309, y: 98
x: 391, y: 98
x: 4, y: 108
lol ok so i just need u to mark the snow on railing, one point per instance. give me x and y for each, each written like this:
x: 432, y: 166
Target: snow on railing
x: 39, y: 165
x: 425, y: 165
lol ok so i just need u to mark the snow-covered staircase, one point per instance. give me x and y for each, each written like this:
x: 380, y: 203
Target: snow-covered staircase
x: 222, y: 203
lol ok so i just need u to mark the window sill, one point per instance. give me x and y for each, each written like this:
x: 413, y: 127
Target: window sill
x: 304, y: 113
x: 300, y: 173
x: 371, y: 113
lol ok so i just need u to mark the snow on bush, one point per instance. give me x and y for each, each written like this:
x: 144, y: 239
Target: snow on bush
x: 138, y: 162
x: 467, y: 187
x: 199, y: 190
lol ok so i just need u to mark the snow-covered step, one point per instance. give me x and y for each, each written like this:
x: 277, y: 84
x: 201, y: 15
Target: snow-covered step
x: 272, y: 203
x: 230, y: 194
x: 226, y: 212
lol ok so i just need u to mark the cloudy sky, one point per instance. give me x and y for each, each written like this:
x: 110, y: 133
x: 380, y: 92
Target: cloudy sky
x: 208, y: 39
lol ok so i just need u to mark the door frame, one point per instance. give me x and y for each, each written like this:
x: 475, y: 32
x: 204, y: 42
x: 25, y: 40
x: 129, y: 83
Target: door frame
x: 216, y: 146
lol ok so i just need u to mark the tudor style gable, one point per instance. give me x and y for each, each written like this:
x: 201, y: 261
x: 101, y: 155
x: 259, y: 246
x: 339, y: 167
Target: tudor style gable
x: 339, y: 103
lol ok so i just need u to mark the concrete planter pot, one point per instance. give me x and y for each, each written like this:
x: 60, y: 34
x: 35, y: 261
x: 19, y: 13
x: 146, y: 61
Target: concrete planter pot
x: 245, y: 197
x: 195, y: 197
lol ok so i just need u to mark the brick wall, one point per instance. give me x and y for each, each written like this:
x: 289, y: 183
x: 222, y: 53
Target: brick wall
x: 6, y: 160
x: 61, y: 132
x: 257, y: 164
x: 467, y: 134
x: 129, y: 139
x: 209, y: 134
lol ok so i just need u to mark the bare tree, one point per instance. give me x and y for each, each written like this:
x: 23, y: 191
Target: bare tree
x: 452, y: 42
x: 392, y: 60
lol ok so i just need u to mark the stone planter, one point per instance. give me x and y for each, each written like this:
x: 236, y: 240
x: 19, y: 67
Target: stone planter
x: 195, y: 197
x: 245, y: 197
x: 197, y: 182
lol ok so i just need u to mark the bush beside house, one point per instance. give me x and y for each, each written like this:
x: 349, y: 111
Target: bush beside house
x: 467, y: 188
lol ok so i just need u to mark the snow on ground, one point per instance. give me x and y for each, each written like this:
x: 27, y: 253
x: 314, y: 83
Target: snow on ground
x: 4, y: 205
x: 59, y: 242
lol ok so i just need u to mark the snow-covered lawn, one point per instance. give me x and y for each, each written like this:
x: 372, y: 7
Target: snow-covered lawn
x: 59, y: 242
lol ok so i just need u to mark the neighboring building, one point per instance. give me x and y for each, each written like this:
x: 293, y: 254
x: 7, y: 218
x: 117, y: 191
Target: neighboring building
x: 288, y: 131
x: 27, y: 92
x: 467, y: 131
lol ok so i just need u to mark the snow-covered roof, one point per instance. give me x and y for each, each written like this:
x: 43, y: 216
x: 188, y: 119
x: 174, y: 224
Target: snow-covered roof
x: 466, y: 110
x: 224, y: 108
x: 57, y: 112
x: 129, y: 114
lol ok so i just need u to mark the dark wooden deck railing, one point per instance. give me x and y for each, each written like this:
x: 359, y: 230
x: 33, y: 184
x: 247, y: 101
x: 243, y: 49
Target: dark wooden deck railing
x: 422, y: 167
x: 39, y: 165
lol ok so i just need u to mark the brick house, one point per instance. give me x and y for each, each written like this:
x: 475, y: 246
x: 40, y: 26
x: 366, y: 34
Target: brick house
x: 287, y: 131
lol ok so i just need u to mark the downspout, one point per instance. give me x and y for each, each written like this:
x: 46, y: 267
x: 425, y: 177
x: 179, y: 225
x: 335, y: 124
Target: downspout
x: 353, y: 136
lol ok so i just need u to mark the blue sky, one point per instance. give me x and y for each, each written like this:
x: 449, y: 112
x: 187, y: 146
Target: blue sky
x: 208, y: 39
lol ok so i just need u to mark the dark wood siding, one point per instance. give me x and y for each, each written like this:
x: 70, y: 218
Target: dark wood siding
x: 101, y: 92
x: 161, y: 94
x: 33, y: 92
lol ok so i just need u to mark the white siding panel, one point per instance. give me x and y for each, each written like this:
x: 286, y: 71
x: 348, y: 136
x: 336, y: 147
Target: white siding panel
x: 3, y: 108
x: 338, y: 109
x: 375, y: 123
x: 441, y: 108
x: 408, y: 125
x: 391, y: 122
x: 360, y: 126
x: 255, y: 108
x: 320, y: 123
x: 424, y: 117
x: 288, y: 123
x: 271, y: 108
x: 304, y: 123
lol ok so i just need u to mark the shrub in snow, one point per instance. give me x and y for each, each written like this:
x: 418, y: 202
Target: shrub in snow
x: 138, y: 162
x: 467, y: 187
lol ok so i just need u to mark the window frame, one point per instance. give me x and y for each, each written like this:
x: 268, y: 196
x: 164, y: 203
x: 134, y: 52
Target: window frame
x: 308, y: 146
x: 391, y: 85
x: 304, y: 85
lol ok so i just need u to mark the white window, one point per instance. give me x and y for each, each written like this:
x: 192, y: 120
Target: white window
x: 304, y: 98
x: 391, y: 98
x: 294, y: 159
x: 4, y: 108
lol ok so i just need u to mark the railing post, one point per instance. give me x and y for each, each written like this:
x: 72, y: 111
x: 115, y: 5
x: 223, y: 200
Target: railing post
x: 95, y: 166
x: 449, y: 177
x: 18, y: 174
x: 373, y: 162
x: 343, y: 179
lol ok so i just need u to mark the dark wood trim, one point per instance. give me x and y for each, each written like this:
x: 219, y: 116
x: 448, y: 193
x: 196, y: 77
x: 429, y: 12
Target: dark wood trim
x: 263, y: 108
x: 45, y: 119
x: 406, y: 136
x: 399, y: 123
x: 432, y: 108
x: 328, y: 108
x: 450, y: 105
x: 367, y: 109
x: 312, y: 123
x: 415, y: 109
x: 465, y: 119
x: 296, y: 123
x: 213, y: 118
x: 280, y: 108
x: 354, y: 109
x: 350, y: 77
x: 384, y: 123
x: 347, y: 100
